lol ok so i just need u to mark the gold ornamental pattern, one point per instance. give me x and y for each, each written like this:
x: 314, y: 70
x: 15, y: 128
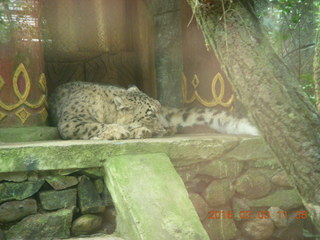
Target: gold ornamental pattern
x: 22, y: 113
x: 217, y: 97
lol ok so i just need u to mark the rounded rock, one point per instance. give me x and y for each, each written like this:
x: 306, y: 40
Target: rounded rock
x: 16, y: 210
x: 200, y: 205
x: 218, y: 193
x: 281, y: 179
x: 86, y: 224
x: 253, y: 184
x: 258, y: 229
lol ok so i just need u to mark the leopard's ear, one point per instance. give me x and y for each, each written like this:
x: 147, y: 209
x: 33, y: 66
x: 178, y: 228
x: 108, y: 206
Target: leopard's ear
x: 119, y: 102
x: 133, y: 88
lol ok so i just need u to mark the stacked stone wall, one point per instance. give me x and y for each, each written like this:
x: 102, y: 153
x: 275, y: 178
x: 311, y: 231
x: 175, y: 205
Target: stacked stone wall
x: 243, y: 195
x: 54, y: 204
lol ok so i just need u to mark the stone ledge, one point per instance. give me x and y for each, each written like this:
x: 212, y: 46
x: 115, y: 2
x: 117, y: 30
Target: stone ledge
x: 100, y: 237
x: 27, y: 134
x: 181, y: 149
x: 207, y: 164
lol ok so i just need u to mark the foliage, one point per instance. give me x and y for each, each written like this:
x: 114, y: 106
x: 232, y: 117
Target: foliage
x: 290, y: 9
x: 6, y: 26
x: 308, y: 86
x: 290, y: 26
x: 17, y: 23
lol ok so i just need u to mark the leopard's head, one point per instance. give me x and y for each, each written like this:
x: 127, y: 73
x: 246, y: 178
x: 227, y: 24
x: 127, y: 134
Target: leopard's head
x: 137, y: 109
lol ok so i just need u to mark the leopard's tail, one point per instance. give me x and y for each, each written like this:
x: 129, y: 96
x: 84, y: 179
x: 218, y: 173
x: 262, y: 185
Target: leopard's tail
x: 219, y: 120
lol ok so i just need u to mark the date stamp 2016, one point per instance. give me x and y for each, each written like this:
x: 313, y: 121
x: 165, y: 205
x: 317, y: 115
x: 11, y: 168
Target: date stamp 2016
x: 222, y: 214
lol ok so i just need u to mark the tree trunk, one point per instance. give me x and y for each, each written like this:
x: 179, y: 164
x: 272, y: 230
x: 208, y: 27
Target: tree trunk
x: 316, y: 68
x: 285, y: 117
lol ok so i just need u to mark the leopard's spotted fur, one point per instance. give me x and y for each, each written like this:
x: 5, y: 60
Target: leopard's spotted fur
x: 95, y: 111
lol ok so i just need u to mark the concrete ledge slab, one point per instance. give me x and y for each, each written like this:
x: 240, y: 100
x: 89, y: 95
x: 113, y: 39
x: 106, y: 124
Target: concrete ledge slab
x: 54, y: 155
x: 151, y: 199
x: 28, y: 134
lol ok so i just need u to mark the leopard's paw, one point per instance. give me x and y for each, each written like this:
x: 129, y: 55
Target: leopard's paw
x: 114, y: 132
x: 141, y: 132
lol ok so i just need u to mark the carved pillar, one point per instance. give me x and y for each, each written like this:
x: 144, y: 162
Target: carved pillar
x: 203, y: 81
x: 22, y: 81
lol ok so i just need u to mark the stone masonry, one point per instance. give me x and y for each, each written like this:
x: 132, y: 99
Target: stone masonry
x: 235, y: 183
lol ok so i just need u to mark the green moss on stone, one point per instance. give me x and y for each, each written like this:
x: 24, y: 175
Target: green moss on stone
x: 18, y: 191
x: 151, y: 199
x: 27, y: 134
x: 43, y: 226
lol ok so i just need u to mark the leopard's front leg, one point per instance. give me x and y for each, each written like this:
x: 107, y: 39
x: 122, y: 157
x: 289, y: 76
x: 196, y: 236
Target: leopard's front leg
x: 92, y: 130
x: 137, y: 131
x: 141, y: 132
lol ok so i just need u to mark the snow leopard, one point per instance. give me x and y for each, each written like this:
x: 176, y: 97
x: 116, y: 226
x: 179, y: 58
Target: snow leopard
x: 86, y: 110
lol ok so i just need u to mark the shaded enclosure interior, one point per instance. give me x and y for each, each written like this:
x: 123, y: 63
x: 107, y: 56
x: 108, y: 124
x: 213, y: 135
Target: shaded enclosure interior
x: 99, y: 41
x: 149, y: 44
x: 157, y: 46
